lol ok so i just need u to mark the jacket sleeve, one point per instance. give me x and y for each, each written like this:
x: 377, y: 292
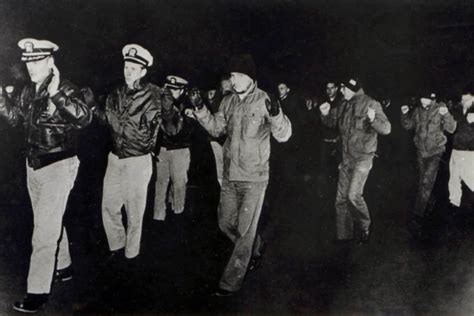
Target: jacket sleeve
x: 72, y: 107
x: 281, y: 127
x: 215, y: 125
x: 449, y: 123
x: 10, y: 110
x: 407, y: 120
x: 380, y: 124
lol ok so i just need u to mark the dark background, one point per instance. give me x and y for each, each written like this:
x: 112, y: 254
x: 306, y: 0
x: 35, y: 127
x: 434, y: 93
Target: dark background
x: 393, y: 46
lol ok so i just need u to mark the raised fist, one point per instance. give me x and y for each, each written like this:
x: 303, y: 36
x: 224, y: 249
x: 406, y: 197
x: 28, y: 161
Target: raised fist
x: 195, y: 98
x: 443, y: 110
x: 371, y: 114
x: 273, y: 105
x: 405, y: 109
x: 470, y: 118
x: 325, y: 108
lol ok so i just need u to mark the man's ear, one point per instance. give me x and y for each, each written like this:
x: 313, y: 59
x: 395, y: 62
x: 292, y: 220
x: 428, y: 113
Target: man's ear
x: 143, y: 72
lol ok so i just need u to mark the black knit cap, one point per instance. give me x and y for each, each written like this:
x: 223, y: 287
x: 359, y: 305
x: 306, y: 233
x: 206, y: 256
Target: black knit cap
x: 352, y: 83
x: 244, y: 64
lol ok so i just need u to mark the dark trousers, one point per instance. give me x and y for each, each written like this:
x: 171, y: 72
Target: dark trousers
x: 329, y: 155
x: 351, y: 208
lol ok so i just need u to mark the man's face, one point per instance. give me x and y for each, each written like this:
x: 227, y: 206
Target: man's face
x: 39, y: 69
x: 283, y: 90
x: 240, y: 82
x: 176, y: 93
x: 133, y: 72
x: 226, y: 86
x: 347, y: 93
x: 211, y: 94
x: 425, y: 102
x: 331, y: 89
x: 467, y: 100
x: 309, y: 104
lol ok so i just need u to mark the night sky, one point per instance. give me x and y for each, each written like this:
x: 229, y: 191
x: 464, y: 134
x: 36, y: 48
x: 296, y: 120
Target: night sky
x: 395, y: 47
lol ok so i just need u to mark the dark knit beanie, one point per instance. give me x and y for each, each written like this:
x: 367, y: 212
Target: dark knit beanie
x: 243, y: 64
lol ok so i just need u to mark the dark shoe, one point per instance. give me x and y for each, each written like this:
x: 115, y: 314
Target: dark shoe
x: 222, y: 293
x: 115, y: 256
x: 63, y: 275
x: 254, y: 263
x: 31, y: 303
x: 364, y: 237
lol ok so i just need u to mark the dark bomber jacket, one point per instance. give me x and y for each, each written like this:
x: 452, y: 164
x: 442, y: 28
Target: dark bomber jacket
x: 50, y: 123
x: 134, y: 117
x: 464, y: 135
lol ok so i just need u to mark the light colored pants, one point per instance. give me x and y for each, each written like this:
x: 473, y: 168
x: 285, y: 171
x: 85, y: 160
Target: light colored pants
x: 461, y: 168
x: 49, y: 189
x: 238, y: 215
x: 350, y: 203
x: 125, y: 184
x: 174, y: 165
x: 219, y: 157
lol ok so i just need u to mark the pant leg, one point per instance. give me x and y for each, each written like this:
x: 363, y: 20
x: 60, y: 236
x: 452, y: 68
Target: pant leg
x: 112, y: 202
x: 49, y: 188
x: 180, y: 159
x: 219, y: 158
x: 428, y: 173
x: 161, y: 186
x: 466, y: 169
x: 228, y: 210
x: 344, y: 221
x: 359, y: 210
x: 64, y: 257
x: 454, y: 184
x: 137, y: 176
x: 253, y: 194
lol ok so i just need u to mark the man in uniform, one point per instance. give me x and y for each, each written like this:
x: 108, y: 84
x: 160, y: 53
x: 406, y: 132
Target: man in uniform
x: 173, y: 153
x: 50, y: 109
x: 133, y: 112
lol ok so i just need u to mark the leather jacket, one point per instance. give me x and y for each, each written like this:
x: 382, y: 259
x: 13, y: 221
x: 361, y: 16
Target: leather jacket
x: 50, y: 123
x: 134, y: 117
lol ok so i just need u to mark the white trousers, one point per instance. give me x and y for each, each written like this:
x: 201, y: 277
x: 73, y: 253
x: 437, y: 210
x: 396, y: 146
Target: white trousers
x: 125, y: 184
x: 172, y: 165
x: 49, y: 189
x: 461, y: 168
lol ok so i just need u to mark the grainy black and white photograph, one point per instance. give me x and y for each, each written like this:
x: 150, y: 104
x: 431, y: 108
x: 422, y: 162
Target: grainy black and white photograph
x: 215, y: 157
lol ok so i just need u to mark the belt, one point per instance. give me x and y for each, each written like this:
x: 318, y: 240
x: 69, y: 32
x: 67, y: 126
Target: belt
x: 40, y: 161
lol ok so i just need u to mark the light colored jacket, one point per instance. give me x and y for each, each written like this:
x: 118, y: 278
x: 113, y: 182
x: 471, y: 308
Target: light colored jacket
x: 248, y: 126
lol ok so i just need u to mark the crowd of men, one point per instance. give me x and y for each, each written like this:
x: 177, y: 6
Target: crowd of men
x: 150, y: 125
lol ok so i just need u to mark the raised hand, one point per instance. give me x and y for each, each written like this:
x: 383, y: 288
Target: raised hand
x: 273, y: 106
x: 325, y: 108
x: 405, y: 109
x: 53, y: 86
